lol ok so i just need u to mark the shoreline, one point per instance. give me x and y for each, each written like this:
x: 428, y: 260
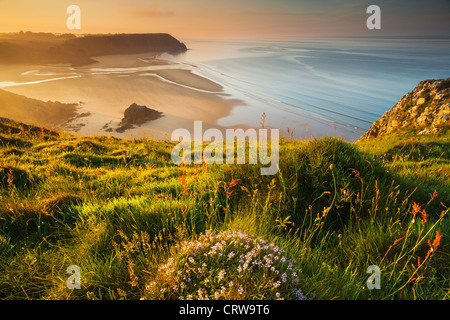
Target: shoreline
x: 182, y: 91
x: 105, y: 89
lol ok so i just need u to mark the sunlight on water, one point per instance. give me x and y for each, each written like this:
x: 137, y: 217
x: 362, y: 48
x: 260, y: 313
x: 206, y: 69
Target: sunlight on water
x: 311, y: 86
x: 348, y: 82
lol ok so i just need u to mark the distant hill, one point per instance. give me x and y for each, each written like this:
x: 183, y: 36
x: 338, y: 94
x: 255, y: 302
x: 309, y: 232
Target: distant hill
x: 47, y: 48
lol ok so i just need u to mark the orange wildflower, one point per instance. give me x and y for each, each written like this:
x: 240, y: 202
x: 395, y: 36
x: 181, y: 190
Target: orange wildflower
x: 436, y: 242
x: 424, y: 216
x: 415, y: 209
x: 233, y: 182
x: 434, y: 195
x: 434, y: 245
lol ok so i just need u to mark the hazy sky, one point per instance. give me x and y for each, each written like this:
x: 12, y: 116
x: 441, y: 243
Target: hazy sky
x: 230, y: 18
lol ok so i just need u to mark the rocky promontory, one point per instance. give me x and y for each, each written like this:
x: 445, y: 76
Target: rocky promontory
x: 47, y: 48
x: 425, y: 110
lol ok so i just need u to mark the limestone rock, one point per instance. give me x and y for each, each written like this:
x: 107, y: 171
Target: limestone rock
x: 426, y: 110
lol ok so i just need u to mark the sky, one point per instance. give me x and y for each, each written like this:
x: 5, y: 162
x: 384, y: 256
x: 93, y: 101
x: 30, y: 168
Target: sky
x: 250, y: 19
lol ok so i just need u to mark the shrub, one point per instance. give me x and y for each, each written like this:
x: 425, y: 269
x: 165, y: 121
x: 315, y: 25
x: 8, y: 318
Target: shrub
x: 226, y: 265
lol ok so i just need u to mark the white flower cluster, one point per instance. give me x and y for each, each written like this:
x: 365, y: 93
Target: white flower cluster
x: 227, y: 264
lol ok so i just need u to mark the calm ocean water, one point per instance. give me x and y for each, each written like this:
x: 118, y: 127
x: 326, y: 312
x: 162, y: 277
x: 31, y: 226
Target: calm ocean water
x: 344, y: 82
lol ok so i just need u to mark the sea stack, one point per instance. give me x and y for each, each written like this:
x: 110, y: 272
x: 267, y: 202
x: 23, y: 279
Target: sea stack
x: 137, y: 115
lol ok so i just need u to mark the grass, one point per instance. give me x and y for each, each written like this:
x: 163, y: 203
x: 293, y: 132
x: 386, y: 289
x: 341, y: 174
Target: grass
x: 124, y: 213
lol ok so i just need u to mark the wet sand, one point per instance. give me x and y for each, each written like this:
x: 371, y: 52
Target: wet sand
x: 105, y: 89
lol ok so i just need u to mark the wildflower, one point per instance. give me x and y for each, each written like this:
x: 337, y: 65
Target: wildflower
x: 433, y: 246
x: 357, y: 174
x: 150, y: 285
x: 182, y: 180
x: 251, y: 254
x: 294, y: 278
x: 222, y: 274
x: 298, y: 293
x: 424, y: 216
x: 415, y: 209
x: 434, y: 195
x: 263, y: 119
x: 436, y: 242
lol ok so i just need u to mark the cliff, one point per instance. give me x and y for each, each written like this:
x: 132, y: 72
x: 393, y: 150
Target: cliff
x: 79, y: 50
x: 424, y: 110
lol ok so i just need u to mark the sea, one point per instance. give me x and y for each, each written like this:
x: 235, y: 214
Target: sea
x: 309, y: 87
x: 317, y: 86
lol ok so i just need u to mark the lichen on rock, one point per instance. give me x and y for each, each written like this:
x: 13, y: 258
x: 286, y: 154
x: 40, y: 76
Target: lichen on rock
x: 426, y: 110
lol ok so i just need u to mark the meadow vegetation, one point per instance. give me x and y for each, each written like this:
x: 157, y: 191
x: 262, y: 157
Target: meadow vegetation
x: 139, y: 226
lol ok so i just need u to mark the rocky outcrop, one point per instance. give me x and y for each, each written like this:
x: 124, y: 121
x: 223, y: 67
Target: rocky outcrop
x: 137, y: 115
x: 425, y: 110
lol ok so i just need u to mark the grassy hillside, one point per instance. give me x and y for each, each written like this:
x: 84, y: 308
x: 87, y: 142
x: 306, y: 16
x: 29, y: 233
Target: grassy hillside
x: 48, y: 113
x: 137, y: 225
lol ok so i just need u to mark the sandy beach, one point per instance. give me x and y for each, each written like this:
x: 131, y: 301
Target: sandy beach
x: 105, y: 89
